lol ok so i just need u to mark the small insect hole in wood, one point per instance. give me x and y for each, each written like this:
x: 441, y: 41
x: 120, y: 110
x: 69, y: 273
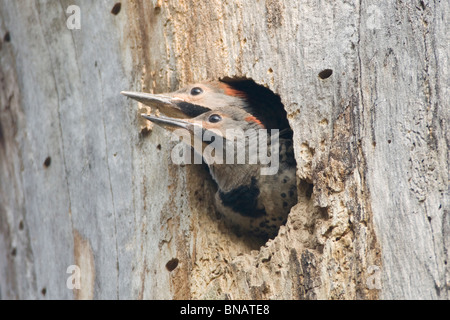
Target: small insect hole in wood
x: 326, y: 73
x: 116, y: 9
x: 7, y: 37
x: 47, y: 162
x: 172, y: 264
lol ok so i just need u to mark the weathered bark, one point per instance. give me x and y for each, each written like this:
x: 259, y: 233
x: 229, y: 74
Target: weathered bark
x: 80, y: 185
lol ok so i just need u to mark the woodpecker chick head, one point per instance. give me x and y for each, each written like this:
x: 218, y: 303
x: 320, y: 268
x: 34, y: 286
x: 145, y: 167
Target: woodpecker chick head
x: 222, y: 123
x: 193, y: 100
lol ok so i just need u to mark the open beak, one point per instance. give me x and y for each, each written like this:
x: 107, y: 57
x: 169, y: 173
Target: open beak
x: 170, y: 106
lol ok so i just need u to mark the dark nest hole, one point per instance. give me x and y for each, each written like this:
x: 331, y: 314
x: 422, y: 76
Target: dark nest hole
x: 268, y: 107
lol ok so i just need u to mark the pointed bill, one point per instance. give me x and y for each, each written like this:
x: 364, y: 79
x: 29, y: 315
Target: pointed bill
x: 152, y: 100
x: 168, y: 122
x: 171, y: 106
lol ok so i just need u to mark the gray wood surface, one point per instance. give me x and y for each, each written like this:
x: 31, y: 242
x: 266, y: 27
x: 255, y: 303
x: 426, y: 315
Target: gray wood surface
x: 81, y: 185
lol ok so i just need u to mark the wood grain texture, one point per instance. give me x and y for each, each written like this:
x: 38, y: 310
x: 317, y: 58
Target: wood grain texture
x: 371, y: 142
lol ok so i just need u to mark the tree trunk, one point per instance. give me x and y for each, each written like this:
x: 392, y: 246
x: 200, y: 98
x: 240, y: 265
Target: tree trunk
x: 91, y: 207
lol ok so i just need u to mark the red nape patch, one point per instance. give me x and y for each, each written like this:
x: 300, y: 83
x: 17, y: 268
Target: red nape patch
x: 254, y: 119
x: 232, y: 92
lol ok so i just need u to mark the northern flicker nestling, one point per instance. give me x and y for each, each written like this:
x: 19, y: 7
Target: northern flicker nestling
x: 251, y: 200
x: 195, y: 99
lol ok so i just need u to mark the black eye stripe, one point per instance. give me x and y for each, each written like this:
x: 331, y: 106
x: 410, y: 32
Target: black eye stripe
x: 191, y: 110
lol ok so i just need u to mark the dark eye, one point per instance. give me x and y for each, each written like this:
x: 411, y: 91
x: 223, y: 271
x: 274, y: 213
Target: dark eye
x: 196, y: 91
x: 214, y: 118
